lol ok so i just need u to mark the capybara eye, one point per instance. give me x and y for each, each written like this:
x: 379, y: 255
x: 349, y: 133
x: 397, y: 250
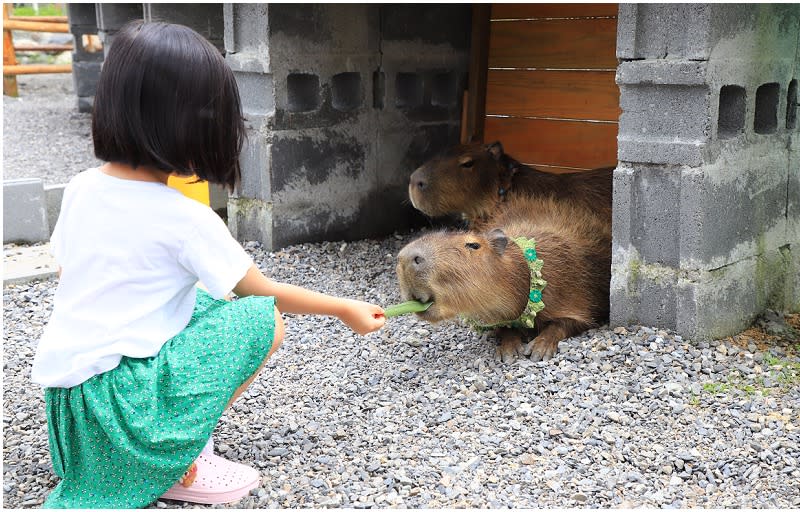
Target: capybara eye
x: 468, y: 164
x: 472, y: 245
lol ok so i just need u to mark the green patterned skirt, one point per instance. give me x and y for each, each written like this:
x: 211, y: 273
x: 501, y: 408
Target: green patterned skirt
x: 122, y: 438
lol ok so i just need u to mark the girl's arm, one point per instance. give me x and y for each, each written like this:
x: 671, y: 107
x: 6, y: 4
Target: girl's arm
x: 361, y: 317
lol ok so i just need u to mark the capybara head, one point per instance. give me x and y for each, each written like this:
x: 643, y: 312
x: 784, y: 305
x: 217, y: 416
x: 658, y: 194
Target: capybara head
x: 483, y: 276
x: 465, y: 179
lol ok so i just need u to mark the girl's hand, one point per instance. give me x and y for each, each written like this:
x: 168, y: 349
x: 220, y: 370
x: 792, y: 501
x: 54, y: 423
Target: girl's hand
x: 362, y: 317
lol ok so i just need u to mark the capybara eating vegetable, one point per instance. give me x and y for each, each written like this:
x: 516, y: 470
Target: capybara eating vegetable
x: 472, y: 179
x: 541, y: 267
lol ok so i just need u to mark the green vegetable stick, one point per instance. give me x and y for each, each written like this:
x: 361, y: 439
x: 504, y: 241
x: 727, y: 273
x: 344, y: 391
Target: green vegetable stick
x: 412, y: 306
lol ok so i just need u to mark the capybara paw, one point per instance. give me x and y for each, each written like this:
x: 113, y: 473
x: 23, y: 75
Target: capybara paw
x: 508, y: 352
x: 540, y: 350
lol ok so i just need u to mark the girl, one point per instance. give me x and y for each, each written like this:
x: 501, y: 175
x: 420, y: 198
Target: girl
x: 137, y: 363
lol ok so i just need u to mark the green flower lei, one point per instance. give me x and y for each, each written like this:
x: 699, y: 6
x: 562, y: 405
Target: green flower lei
x: 535, y: 304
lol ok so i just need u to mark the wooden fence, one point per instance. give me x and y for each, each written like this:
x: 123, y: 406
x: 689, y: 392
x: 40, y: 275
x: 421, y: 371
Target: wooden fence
x: 54, y: 24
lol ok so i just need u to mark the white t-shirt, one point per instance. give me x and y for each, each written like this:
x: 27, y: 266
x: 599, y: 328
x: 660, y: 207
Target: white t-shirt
x: 131, y: 253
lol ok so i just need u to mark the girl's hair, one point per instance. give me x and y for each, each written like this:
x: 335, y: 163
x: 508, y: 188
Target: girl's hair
x: 167, y: 99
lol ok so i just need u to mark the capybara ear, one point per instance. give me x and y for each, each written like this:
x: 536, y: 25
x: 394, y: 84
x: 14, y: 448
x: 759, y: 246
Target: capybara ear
x: 495, y: 149
x: 498, y: 240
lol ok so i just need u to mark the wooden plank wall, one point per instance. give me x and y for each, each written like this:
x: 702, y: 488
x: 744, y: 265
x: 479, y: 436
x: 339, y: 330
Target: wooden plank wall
x: 550, y: 92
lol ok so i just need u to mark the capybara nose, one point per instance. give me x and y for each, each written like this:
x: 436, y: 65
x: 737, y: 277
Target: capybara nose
x: 413, y: 257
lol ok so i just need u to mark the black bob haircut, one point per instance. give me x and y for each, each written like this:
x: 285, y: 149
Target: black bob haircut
x: 167, y: 99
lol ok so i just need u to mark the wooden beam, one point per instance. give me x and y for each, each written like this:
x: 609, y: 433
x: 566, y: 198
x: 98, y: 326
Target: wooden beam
x: 36, y: 69
x: 35, y: 26
x: 45, y: 19
x: 9, y: 58
x: 43, y: 47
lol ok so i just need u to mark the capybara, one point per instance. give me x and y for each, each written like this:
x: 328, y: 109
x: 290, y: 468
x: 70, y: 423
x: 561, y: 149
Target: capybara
x: 486, y: 277
x: 472, y: 179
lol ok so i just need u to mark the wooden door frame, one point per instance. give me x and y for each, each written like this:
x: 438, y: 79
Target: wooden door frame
x: 475, y: 97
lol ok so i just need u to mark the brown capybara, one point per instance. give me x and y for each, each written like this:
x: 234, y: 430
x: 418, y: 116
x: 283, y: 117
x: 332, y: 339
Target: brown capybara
x: 472, y: 179
x: 485, y: 277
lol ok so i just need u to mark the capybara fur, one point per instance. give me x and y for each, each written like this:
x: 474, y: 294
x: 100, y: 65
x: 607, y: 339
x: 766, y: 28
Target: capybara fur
x: 484, y: 276
x: 471, y: 179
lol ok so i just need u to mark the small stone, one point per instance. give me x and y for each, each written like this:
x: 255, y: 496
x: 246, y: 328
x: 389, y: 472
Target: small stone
x: 445, y: 417
x: 333, y: 501
x: 579, y: 497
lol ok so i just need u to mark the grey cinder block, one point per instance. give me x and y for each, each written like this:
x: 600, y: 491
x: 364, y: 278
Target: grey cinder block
x: 671, y: 112
x: 24, y: 211
x: 247, y: 29
x: 655, y: 218
x: 256, y: 158
x: 85, y: 76
x: 81, y: 14
x: 658, y: 31
x: 85, y: 104
x: 111, y: 17
x: 662, y: 72
x: 53, y: 194
x: 205, y: 19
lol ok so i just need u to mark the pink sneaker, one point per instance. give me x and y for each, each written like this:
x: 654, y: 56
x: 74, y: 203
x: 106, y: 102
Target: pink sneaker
x: 212, y: 480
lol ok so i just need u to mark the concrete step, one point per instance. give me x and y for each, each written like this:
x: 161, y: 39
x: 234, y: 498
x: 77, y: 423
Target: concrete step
x: 25, y: 263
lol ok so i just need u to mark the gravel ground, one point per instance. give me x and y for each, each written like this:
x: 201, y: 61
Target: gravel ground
x: 44, y: 135
x: 420, y: 415
x: 424, y: 416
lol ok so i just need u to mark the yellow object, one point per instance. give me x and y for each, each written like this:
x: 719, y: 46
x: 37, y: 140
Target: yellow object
x: 190, y: 187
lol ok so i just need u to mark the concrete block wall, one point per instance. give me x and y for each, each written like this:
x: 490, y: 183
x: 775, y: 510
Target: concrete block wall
x: 707, y: 191
x: 343, y: 102
x: 86, y: 62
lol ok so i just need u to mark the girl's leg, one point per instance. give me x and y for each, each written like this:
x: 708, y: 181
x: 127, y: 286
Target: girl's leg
x: 276, y: 344
x: 236, y: 472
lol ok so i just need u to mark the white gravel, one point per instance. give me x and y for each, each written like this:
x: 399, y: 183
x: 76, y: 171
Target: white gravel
x: 44, y: 135
x: 421, y: 415
x: 424, y: 416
